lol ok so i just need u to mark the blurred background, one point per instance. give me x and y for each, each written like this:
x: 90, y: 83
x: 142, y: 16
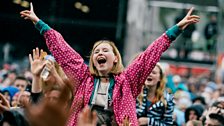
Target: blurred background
x: 131, y: 24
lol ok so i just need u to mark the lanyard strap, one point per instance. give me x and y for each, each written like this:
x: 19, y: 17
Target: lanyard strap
x: 96, y: 85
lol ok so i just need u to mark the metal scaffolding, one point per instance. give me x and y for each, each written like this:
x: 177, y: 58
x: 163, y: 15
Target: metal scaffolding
x: 143, y: 25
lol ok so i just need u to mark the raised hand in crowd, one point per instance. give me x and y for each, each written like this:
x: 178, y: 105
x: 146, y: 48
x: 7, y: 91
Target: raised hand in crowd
x: 212, y: 110
x: 188, y: 19
x: 36, y: 61
x: 87, y: 117
x: 29, y: 14
x: 4, y: 104
x: 36, y: 66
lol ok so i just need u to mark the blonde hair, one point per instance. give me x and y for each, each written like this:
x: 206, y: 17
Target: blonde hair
x: 65, y: 88
x: 60, y: 73
x: 159, y: 89
x: 117, y: 68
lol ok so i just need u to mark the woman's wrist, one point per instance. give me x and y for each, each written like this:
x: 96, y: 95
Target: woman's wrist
x: 41, y: 26
x: 174, y: 32
x: 36, y: 77
x: 35, y: 21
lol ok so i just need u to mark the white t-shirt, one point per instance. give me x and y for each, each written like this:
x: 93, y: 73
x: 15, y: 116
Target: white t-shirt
x: 101, y: 97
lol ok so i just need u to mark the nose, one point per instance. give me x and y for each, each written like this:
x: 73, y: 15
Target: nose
x: 100, y: 52
x: 150, y: 74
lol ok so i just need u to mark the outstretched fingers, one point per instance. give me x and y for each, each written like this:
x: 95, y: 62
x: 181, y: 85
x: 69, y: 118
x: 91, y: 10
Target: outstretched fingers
x: 4, y: 105
x: 25, y: 13
x: 37, y: 52
x: 30, y: 58
x: 188, y: 19
x: 190, y: 11
x: 193, y: 16
x: 34, y: 54
x: 4, y: 101
x: 31, y: 6
x: 193, y: 20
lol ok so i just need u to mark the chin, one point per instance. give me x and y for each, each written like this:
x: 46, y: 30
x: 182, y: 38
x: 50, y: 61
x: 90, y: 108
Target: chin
x: 149, y: 85
x: 103, y: 69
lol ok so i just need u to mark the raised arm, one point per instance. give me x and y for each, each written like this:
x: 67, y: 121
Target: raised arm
x: 137, y: 72
x: 36, y: 66
x: 71, y: 62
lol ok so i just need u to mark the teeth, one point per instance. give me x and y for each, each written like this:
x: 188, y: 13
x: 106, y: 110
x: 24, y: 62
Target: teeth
x: 101, y: 58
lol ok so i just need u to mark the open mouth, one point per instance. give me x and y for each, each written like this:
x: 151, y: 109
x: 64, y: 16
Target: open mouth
x: 149, y: 79
x: 101, y: 60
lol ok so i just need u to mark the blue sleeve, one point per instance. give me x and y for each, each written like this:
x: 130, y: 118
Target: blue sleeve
x: 173, y: 32
x: 42, y: 27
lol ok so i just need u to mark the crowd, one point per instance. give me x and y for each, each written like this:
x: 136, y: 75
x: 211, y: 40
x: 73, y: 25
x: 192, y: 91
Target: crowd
x: 62, y: 90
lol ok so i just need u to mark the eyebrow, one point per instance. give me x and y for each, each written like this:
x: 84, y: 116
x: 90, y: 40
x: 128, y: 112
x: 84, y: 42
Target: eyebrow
x: 101, y: 48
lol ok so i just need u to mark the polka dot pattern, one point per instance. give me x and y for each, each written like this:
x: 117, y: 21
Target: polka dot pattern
x: 127, y: 84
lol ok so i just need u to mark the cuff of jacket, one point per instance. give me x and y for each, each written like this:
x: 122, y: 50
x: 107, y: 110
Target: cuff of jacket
x: 173, y: 32
x: 42, y: 27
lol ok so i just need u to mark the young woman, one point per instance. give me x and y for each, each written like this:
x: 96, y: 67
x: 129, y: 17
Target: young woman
x: 104, y: 85
x: 154, y: 105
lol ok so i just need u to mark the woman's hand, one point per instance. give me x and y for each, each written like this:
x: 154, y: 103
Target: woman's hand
x: 87, y: 118
x: 212, y: 110
x: 36, y: 62
x: 143, y: 121
x: 29, y: 14
x: 188, y: 19
x: 50, y: 65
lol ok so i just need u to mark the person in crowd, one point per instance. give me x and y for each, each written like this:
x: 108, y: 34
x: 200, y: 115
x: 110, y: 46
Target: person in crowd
x: 214, y: 120
x: 194, y: 112
x: 50, y: 110
x: 9, y: 78
x: 13, y: 118
x: 199, y: 100
x: 46, y: 84
x: 21, y: 83
x: 15, y: 100
x: 9, y: 92
x: 194, y: 123
x: 10, y: 117
x: 211, y: 33
x: 51, y: 94
x: 104, y: 86
x: 154, y: 105
x: 24, y: 97
x: 216, y: 108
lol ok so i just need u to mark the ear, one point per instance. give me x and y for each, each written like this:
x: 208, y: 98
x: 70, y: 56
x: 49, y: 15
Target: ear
x: 116, y: 59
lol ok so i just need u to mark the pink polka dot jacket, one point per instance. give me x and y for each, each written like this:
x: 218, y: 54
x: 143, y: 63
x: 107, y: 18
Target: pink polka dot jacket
x: 128, y: 84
